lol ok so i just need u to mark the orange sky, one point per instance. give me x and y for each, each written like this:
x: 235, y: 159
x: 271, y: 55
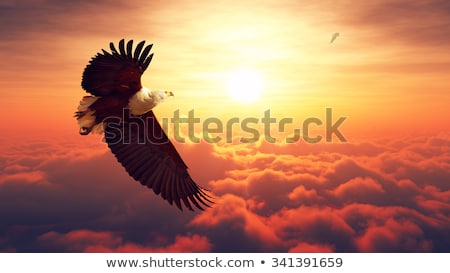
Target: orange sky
x: 386, y: 190
x: 386, y: 73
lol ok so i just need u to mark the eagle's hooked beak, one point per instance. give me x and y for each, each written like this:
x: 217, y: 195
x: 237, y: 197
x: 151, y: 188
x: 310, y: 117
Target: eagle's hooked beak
x: 169, y: 93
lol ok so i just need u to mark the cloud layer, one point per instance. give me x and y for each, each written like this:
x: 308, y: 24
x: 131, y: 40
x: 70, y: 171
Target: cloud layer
x: 377, y: 196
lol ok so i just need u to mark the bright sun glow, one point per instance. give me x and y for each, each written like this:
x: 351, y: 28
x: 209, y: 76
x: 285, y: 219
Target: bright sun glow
x: 245, y: 85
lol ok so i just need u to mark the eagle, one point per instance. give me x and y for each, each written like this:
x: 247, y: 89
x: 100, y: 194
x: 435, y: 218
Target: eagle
x: 120, y: 108
x: 335, y: 35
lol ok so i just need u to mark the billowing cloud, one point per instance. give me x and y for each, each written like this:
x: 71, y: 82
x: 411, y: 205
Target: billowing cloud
x: 310, y: 248
x: 292, y: 198
x: 75, y: 188
x: 394, y: 236
x: 105, y: 241
x: 247, y: 230
x: 393, y: 199
x: 360, y: 190
x: 377, y: 196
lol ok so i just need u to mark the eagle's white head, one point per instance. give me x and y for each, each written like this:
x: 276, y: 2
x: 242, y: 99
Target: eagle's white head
x: 145, y: 100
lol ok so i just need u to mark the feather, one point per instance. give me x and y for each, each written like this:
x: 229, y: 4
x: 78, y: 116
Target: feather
x: 122, y: 48
x: 129, y: 49
x: 155, y: 163
x: 138, y: 50
x: 145, y: 53
x: 109, y: 74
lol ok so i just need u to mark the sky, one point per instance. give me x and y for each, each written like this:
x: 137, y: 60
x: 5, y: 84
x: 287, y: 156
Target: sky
x: 384, y: 188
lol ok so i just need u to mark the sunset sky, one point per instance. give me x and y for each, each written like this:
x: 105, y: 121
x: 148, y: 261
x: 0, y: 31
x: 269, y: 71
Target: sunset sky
x: 387, y: 189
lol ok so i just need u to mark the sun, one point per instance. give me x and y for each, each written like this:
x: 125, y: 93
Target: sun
x: 245, y: 85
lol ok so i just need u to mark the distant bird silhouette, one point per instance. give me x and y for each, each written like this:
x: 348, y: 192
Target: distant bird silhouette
x: 335, y: 35
x: 121, y: 108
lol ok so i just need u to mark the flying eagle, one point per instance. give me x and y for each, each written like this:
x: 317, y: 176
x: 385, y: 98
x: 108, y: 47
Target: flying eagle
x: 121, y: 108
x: 335, y: 35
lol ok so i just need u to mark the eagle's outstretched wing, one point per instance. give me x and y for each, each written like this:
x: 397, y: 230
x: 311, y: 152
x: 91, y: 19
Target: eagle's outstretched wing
x: 119, y: 72
x: 141, y: 146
